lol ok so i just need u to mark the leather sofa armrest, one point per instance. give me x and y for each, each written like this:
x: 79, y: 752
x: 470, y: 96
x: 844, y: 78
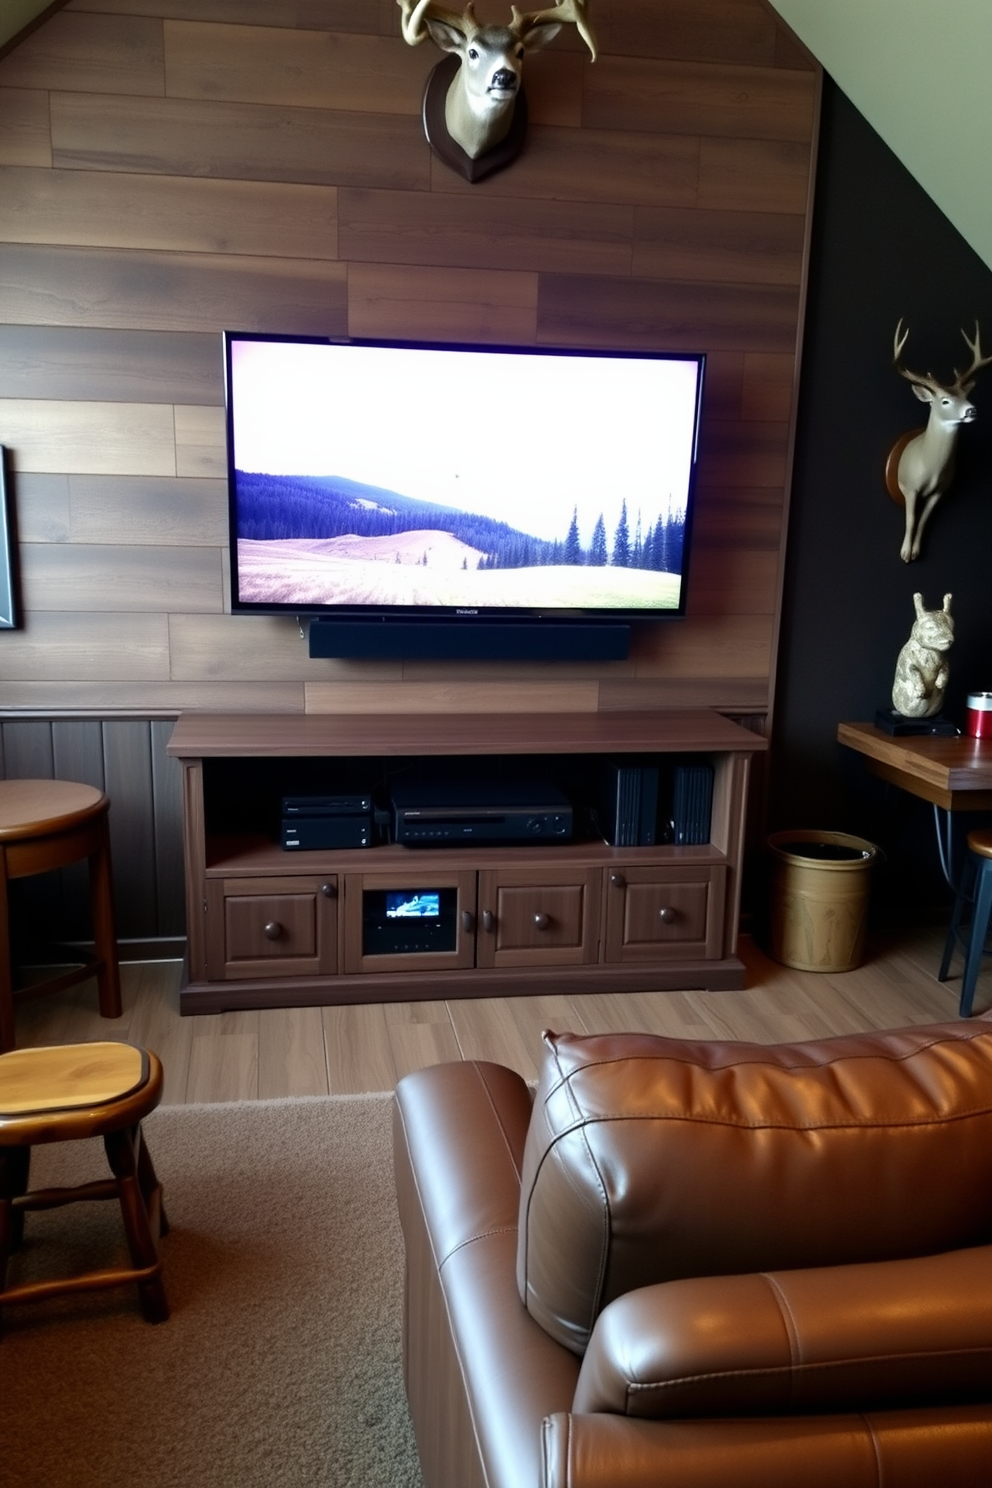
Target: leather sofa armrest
x: 850, y: 1337
x: 915, y: 1449
x: 480, y: 1373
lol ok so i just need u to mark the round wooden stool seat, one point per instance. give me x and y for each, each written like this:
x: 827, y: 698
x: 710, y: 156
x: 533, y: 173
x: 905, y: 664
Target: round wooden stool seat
x: 980, y: 842
x: 43, y: 808
x: 48, y: 824
x: 65, y: 1093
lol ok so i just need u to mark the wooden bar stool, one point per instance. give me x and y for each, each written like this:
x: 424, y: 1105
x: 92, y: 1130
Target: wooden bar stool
x: 976, y: 889
x: 46, y: 824
x: 61, y: 1094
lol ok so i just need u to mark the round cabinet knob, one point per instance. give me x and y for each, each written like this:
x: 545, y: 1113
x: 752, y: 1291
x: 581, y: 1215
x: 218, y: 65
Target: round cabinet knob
x: 329, y: 890
x: 273, y: 930
x: 468, y: 921
x: 488, y: 920
x: 667, y: 915
x: 542, y: 920
x: 618, y: 881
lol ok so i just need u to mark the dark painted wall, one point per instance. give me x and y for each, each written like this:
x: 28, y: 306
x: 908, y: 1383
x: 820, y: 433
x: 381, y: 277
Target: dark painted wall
x: 881, y: 249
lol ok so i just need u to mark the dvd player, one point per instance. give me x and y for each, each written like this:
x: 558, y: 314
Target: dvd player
x: 445, y: 815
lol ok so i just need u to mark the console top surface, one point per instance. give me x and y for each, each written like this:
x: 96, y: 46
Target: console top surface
x: 197, y: 735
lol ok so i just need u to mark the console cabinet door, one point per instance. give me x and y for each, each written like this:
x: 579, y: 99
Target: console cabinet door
x: 265, y: 927
x: 654, y: 914
x: 539, y: 917
x: 416, y: 919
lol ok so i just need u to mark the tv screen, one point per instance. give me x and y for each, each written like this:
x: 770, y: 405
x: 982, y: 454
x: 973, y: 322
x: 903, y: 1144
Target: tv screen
x: 400, y: 479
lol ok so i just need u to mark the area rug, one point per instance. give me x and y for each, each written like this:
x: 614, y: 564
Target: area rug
x: 280, y: 1364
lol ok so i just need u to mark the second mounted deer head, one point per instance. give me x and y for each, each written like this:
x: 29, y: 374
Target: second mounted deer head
x: 474, y: 109
x: 921, y: 464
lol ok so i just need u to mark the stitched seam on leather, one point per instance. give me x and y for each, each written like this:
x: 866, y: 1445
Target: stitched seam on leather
x: 497, y: 1118
x: 876, y: 1450
x: 771, y: 1370
x: 555, y: 1136
x: 595, y: 1301
x: 935, y: 1041
x: 853, y: 1124
x: 524, y: 1219
x: 474, y: 1239
x: 580, y: 1125
x: 788, y: 1318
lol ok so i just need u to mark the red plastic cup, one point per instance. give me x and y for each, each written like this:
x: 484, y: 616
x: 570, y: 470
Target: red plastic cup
x: 980, y: 715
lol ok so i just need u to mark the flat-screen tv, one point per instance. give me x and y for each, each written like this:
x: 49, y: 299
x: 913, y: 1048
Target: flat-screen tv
x: 393, y: 481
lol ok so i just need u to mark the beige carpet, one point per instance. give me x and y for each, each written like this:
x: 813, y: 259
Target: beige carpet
x: 280, y: 1364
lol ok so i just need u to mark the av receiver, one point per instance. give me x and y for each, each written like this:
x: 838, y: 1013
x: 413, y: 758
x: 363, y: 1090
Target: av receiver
x: 445, y: 815
x: 312, y: 823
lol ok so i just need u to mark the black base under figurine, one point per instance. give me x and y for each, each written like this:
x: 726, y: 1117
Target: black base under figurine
x: 447, y: 149
x: 891, y: 722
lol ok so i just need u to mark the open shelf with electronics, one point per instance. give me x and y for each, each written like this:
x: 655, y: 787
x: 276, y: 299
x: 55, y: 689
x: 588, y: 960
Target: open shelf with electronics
x: 269, y: 927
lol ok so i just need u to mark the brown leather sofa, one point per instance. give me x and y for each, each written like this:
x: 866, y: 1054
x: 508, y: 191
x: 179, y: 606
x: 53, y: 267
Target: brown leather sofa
x: 697, y: 1264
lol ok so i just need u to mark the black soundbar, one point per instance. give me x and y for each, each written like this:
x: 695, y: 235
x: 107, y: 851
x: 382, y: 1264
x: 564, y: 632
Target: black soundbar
x: 475, y: 640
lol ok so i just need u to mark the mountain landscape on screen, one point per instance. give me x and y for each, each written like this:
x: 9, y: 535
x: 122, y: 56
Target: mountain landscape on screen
x: 308, y: 540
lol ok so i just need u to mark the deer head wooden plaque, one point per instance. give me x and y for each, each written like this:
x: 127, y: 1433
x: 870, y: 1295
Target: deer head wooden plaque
x: 475, y: 111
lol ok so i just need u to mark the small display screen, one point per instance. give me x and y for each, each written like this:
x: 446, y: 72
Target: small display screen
x: 404, y: 922
x: 423, y: 904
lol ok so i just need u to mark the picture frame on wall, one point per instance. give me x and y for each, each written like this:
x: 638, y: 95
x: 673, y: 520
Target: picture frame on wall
x: 8, y: 606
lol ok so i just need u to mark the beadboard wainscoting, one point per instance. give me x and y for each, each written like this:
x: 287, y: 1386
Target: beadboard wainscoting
x: 126, y: 758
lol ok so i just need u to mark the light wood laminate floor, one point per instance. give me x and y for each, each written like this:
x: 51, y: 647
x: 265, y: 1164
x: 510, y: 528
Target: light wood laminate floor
x: 262, y: 1055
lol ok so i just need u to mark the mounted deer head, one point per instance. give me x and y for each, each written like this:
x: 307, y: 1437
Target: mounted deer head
x: 921, y: 464
x: 483, y: 95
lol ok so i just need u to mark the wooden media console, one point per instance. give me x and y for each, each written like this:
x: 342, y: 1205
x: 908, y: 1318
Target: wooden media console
x: 272, y: 928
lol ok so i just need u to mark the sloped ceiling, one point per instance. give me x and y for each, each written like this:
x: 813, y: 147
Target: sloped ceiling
x: 919, y: 71
x: 19, y: 15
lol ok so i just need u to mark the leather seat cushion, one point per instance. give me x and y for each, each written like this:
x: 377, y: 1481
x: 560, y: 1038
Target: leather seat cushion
x: 912, y: 1332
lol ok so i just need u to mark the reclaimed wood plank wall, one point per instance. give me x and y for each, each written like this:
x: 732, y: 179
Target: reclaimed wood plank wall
x: 172, y: 168
x: 169, y: 168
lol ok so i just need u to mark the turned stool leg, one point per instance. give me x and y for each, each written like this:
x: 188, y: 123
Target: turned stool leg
x: 151, y: 1189
x: 15, y: 1167
x: 108, y: 977
x: 122, y: 1154
x: 7, y: 1036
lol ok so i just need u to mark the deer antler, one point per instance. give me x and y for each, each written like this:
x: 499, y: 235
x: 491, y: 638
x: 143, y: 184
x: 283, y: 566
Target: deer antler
x: 571, y: 12
x: 977, y: 360
x: 415, y: 12
x: 927, y: 379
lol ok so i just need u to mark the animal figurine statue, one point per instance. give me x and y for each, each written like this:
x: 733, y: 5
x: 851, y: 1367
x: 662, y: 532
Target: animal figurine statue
x: 473, y: 100
x: 921, y: 667
x: 921, y: 464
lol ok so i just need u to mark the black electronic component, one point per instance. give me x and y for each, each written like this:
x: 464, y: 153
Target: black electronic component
x: 445, y: 815
x: 311, y: 833
x: 629, y: 803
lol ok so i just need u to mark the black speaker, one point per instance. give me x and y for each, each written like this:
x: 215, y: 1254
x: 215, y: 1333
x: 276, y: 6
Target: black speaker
x: 474, y: 640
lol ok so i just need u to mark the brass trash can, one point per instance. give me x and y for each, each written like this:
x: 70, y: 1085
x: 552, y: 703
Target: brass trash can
x: 819, y: 899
